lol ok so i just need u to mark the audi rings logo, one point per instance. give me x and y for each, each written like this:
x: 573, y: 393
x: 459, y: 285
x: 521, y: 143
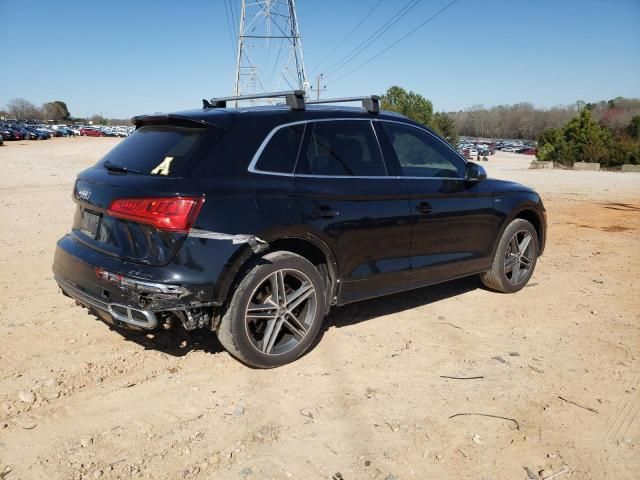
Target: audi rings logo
x: 84, y: 193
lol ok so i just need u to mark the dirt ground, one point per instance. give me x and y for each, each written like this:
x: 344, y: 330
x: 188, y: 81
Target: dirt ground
x: 560, y: 361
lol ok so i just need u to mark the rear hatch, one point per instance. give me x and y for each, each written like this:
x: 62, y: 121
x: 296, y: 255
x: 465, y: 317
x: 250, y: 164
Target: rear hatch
x: 137, y: 202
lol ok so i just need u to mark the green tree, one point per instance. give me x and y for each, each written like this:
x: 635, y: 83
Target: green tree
x: 634, y: 128
x: 552, y: 147
x: 409, y: 104
x: 586, y: 140
x: 56, y: 110
x: 624, y: 150
x: 445, y: 126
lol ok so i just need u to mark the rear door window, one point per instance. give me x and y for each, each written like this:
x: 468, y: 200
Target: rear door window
x: 281, y: 152
x: 162, y: 150
x: 343, y: 148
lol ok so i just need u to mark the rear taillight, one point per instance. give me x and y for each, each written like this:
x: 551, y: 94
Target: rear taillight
x: 165, y: 213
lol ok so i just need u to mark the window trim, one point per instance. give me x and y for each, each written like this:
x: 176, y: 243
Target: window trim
x: 256, y: 157
x: 424, y: 130
x: 377, y: 141
x: 254, y: 160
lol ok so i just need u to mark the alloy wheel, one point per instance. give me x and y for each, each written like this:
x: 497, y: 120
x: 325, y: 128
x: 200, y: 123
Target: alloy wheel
x: 281, y: 311
x: 519, y: 257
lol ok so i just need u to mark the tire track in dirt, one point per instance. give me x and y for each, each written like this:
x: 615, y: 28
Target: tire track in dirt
x: 624, y: 420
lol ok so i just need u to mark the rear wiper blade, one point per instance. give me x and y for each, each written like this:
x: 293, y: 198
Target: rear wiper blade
x: 112, y: 167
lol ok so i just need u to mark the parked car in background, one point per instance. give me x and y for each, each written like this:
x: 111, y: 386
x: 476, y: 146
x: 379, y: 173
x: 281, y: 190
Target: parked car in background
x: 39, y: 133
x: 45, y: 132
x: 91, y: 132
x: 528, y: 151
x: 1, y: 140
x: 26, y: 133
x: 53, y: 131
x: 15, y: 134
x: 65, y: 131
x: 61, y: 130
x: 121, y: 131
x: 8, y: 134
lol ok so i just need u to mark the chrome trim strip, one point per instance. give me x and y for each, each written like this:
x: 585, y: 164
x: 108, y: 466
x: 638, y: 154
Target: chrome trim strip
x: 375, y: 134
x: 89, y: 301
x: 464, y: 160
x: 252, y: 165
x: 372, y: 177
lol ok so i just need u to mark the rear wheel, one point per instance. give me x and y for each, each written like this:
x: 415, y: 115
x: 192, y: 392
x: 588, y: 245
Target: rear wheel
x: 276, y: 311
x: 515, y: 258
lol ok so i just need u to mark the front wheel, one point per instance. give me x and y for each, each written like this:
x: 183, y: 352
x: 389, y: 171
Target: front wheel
x: 276, y: 311
x: 515, y: 258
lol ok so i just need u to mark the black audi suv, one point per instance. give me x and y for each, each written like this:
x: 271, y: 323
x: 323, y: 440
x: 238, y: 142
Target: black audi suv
x: 253, y: 222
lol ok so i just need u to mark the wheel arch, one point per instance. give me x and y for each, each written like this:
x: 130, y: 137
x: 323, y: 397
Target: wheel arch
x: 530, y: 212
x: 307, y: 246
x: 532, y: 216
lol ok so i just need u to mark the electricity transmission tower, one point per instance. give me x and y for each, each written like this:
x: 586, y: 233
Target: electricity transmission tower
x: 269, y: 48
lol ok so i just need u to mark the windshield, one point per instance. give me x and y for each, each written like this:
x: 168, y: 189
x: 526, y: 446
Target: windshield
x: 161, y: 150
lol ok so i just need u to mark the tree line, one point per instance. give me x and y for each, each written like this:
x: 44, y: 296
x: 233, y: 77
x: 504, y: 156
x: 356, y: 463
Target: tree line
x: 55, y: 111
x: 524, y: 121
x: 23, y: 109
x: 606, y: 132
x: 584, y: 138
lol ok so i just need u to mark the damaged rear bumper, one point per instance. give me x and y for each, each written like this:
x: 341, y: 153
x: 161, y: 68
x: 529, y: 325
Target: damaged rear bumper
x: 120, y: 315
x: 143, y: 296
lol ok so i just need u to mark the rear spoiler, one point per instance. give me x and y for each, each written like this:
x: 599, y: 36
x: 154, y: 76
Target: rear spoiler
x: 168, y: 119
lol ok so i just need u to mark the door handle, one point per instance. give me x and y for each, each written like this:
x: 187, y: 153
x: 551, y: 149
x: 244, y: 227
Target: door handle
x: 324, y: 211
x: 424, y: 207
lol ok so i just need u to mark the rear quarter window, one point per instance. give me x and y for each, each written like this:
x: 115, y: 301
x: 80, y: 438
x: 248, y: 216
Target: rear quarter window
x: 281, y: 151
x: 162, y: 150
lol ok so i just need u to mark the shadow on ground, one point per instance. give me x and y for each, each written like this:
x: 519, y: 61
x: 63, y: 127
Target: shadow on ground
x: 179, y: 342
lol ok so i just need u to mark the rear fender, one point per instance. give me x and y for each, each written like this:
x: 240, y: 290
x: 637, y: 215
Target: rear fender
x: 243, y: 258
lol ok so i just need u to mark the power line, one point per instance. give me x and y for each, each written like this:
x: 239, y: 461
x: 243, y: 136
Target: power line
x: 229, y: 28
x: 385, y: 50
x: 406, y: 8
x: 342, y: 42
x: 373, y: 37
x: 233, y: 5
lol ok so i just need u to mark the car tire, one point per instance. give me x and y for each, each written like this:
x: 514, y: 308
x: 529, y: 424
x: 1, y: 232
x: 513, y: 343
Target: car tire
x: 258, y: 333
x: 515, y: 258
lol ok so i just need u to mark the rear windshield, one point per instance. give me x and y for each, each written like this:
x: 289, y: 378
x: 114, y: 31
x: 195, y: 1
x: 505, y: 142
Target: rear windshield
x: 162, y: 150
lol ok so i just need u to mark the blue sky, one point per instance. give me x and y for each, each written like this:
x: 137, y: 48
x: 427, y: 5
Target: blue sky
x: 123, y: 57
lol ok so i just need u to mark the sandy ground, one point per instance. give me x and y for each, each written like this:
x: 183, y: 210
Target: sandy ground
x: 78, y: 400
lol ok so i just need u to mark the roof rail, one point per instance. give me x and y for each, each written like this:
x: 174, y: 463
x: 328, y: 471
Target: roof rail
x: 371, y: 102
x: 294, y: 98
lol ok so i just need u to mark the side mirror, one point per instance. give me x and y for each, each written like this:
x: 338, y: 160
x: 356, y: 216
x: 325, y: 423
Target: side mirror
x: 475, y: 172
